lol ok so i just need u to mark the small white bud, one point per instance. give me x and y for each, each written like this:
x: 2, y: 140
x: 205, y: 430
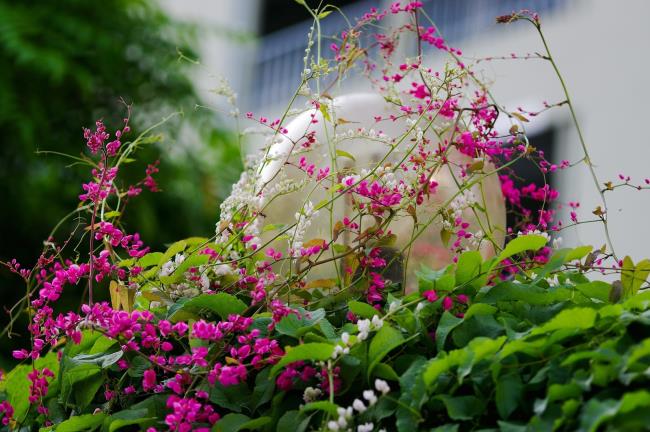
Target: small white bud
x: 359, y: 405
x: 370, y: 396
x: 382, y: 386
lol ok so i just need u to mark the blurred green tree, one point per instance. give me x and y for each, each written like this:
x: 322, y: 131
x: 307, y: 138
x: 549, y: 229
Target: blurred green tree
x: 67, y: 63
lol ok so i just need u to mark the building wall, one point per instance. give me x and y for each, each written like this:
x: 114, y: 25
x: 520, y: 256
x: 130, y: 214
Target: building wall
x: 601, y: 48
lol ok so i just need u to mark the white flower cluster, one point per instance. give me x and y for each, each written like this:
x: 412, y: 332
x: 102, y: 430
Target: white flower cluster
x: 224, y: 89
x: 245, y: 194
x: 535, y: 232
x: 171, y: 265
x: 311, y: 394
x: 283, y: 186
x: 476, y: 239
x: 185, y: 289
x: 346, y: 415
x: 462, y: 201
x: 366, y: 326
x: 361, y: 133
x: 297, y: 232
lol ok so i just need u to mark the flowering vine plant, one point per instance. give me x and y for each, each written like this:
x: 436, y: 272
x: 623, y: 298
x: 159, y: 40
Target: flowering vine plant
x: 263, y: 327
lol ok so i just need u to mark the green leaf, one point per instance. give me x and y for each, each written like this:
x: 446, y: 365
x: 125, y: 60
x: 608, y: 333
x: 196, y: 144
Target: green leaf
x: 530, y: 242
x: 632, y: 277
x: 597, y: 412
x: 127, y: 418
x: 293, y: 421
x: 296, y: 327
x: 478, y: 309
x: 509, y: 392
x: 150, y: 259
x: 445, y: 428
x: 324, y: 14
x: 462, y: 407
x: 325, y: 112
x: 100, y: 359
x: 16, y: 384
x: 384, y: 371
x: 86, y: 422
x: 80, y: 383
x: 263, y: 391
x: 634, y: 400
x: 576, y: 318
x: 578, y: 253
x: 384, y: 341
x: 325, y: 406
x: 447, y: 323
x: 308, y: 351
x: 468, y: 266
x: 237, y: 422
x: 171, y: 252
x: 595, y: 289
x: 363, y: 310
x: 195, y: 260
x: 343, y: 153
x: 233, y: 398
x: 413, y: 396
x: 273, y: 227
x: 221, y: 303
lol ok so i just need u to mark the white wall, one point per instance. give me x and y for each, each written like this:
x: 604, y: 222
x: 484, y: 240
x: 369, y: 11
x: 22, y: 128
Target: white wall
x: 227, y: 32
x: 601, y: 48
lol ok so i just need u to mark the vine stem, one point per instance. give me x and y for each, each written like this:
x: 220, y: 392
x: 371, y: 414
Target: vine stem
x: 574, y: 118
x: 92, y: 231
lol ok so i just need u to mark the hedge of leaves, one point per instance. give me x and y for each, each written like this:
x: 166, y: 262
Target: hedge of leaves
x: 547, y: 350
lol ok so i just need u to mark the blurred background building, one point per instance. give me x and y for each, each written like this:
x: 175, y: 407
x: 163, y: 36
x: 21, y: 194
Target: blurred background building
x: 599, y: 45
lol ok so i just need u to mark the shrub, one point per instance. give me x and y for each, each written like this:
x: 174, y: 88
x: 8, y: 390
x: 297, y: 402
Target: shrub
x: 236, y: 333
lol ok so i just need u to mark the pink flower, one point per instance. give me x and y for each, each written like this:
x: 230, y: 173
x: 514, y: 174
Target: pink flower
x: 149, y: 380
x: 430, y: 295
x: 447, y: 303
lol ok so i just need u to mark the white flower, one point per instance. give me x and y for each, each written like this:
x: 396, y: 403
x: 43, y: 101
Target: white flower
x: 393, y: 306
x: 377, y: 322
x: 554, y: 281
x: 364, y: 328
x: 370, y: 396
x: 345, y: 338
x: 338, y: 350
x: 311, y: 394
x: 169, y: 267
x: 333, y: 426
x: 535, y: 232
x: 419, y: 307
x: 382, y: 386
x: 359, y: 405
x: 345, y: 412
x: 222, y: 270
x: 557, y: 242
x: 366, y: 427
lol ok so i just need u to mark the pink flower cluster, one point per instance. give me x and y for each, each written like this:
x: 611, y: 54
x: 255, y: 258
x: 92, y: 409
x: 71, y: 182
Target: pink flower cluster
x: 96, y: 140
x: 187, y: 412
x: 131, y: 243
x: 6, y: 412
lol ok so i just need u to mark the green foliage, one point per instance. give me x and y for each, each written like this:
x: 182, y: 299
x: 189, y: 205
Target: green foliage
x: 533, y: 353
x: 68, y: 64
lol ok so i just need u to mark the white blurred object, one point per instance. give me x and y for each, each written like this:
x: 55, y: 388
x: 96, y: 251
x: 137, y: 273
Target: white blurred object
x: 358, y: 111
